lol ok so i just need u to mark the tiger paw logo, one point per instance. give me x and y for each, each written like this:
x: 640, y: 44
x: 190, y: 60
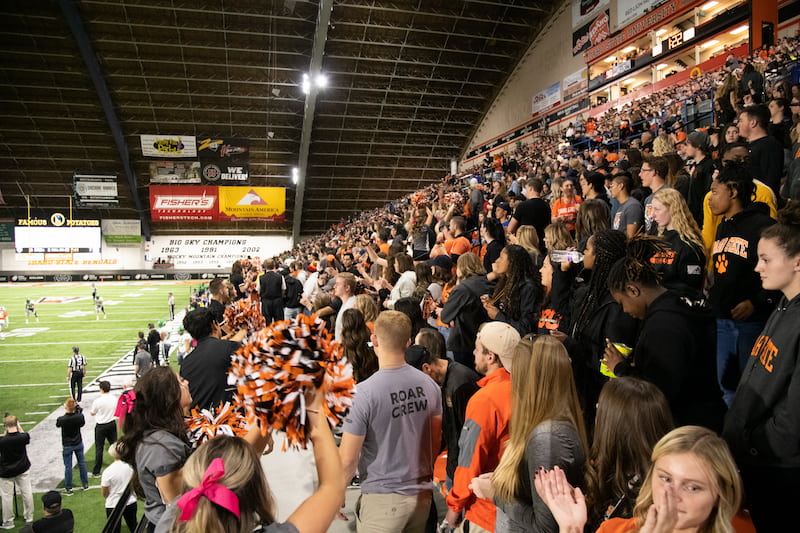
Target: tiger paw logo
x: 721, y: 264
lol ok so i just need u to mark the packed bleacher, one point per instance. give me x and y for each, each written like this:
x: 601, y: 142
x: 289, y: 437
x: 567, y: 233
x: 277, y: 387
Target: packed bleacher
x: 597, y: 327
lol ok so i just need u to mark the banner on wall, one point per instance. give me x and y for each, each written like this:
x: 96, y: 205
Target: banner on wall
x: 95, y: 190
x: 121, y: 232
x: 627, y: 11
x: 203, y: 251
x: 186, y: 172
x: 168, y: 146
x: 546, y: 99
x: 252, y: 203
x: 584, y: 11
x: 170, y: 203
x: 574, y: 85
x: 224, y: 160
x: 591, y: 33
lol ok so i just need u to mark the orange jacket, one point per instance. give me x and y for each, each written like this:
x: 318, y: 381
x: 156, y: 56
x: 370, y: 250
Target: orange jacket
x: 485, y: 432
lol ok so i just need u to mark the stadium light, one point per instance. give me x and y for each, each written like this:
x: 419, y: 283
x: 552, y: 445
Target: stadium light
x: 661, y: 66
x: 709, y: 44
x: 610, y: 59
x: 740, y: 29
x: 628, y: 49
x: 709, y: 5
x: 661, y: 32
x: 306, y: 84
x: 295, y: 175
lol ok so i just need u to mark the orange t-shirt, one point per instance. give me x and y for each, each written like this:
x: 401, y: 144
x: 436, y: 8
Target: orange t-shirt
x: 567, y: 209
x: 384, y: 248
x: 458, y: 246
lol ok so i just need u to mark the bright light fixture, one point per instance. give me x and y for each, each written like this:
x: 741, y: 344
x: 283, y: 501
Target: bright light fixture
x: 661, y: 66
x: 740, y: 29
x: 709, y: 44
x: 688, y: 34
x: 322, y: 80
x: 709, y: 5
x: 628, y: 49
x: 306, y: 84
x: 295, y: 175
x: 610, y: 59
x: 661, y: 32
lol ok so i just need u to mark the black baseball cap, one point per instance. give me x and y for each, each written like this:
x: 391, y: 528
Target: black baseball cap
x: 51, y: 499
x: 416, y: 355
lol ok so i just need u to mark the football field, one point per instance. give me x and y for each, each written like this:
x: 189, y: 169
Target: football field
x: 34, y: 355
x: 34, y: 358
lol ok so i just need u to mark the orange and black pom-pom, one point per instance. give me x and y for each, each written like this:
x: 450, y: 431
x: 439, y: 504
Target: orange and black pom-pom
x: 209, y: 423
x: 286, y: 360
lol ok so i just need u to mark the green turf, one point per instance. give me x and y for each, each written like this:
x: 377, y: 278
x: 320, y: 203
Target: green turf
x: 33, y: 368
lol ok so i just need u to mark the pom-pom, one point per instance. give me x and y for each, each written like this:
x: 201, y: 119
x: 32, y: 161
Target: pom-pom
x: 245, y: 314
x: 454, y: 198
x: 287, y: 359
x: 209, y: 423
x: 419, y: 199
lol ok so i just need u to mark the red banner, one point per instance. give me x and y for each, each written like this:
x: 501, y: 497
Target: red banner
x: 180, y: 203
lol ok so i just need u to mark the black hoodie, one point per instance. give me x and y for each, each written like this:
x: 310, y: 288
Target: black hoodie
x: 734, y: 260
x: 676, y: 351
x: 763, y: 426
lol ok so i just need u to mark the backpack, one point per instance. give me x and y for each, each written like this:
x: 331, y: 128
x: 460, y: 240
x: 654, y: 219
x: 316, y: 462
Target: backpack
x: 294, y: 291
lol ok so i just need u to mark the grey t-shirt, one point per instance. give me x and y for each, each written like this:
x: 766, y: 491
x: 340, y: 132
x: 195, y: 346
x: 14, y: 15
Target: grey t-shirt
x: 143, y: 361
x: 393, y: 410
x: 158, y: 454
x: 173, y: 511
x: 630, y: 212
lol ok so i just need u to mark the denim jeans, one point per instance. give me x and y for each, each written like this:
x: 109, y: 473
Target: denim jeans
x: 735, y: 340
x: 67, y: 454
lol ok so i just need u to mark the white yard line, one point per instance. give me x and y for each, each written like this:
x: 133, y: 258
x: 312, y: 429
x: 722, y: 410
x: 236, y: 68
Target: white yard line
x: 66, y: 342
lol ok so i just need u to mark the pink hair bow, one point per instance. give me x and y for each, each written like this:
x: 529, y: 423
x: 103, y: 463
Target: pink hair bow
x: 212, y: 490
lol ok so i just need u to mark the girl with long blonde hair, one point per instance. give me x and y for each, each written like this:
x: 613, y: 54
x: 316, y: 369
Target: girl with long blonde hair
x: 682, y: 267
x: 547, y: 430
x: 691, y: 468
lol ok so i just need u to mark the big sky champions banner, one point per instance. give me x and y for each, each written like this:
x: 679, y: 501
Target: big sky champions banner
x: 204, y: 251
x: 252, y: 203
x: 224, y: 161
x: 206, y: 203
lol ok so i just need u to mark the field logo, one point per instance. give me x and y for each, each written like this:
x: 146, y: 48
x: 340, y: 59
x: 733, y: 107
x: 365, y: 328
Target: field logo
x: 61, y: 299
x: 22, y: 332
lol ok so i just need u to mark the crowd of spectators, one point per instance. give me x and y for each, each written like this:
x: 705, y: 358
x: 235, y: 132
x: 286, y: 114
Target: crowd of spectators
x: 600, y: 338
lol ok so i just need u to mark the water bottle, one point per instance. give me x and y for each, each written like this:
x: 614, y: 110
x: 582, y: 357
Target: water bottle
x: 572, y: 256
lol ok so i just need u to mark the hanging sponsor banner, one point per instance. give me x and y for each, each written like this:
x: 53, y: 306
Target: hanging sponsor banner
x: 258, y: 203
x: 187, y: 172
x: 584, y: 11
x: 574, y: 85
x: 170, y: 203
x: 547, y: 98
x: 95, y: 190
x: 7, y: 230
x: 206, y: 252
x: 591, y: 33
x: 122, y: 232
x: 224, y: 161
x: 626, y: 11
x: 168, y: 146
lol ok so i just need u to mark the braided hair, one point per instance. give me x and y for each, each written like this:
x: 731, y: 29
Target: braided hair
x: 609, y: 247
x: 636, y: 267
x: 520, y: 268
